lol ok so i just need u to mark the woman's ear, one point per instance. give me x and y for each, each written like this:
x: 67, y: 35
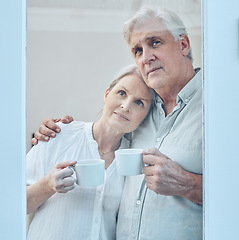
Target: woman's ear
x: 185, y: 45
x: 106, y: 93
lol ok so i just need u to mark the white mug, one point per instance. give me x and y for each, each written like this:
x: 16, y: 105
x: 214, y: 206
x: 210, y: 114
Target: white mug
x: 90, y: 172
x: 129, y: 162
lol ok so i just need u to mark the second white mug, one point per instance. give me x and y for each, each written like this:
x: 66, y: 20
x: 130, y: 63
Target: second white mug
x: 129, y: 162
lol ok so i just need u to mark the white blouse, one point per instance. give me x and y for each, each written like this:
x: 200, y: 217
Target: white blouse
x: 82, y: 213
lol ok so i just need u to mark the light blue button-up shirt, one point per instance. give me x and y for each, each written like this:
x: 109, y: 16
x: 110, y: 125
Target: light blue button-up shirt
x: 144, y: 214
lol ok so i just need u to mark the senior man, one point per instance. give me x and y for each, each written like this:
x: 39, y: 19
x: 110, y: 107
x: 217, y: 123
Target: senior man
x: 165, y: 202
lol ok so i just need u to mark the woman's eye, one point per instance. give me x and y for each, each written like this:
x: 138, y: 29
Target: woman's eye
x: 122, y: 93
x: 140, y: 103
x: 138, y: 51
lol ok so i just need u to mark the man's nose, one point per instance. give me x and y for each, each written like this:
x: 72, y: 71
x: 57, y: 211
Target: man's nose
x: 148, y: 56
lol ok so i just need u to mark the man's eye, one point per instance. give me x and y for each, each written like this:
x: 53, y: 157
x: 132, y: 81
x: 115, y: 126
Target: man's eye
x: 122, y: 93
x: 140, y: 103
x: 155, y: 42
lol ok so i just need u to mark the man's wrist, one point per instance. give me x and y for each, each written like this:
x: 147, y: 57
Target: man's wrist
x: 194, y: 188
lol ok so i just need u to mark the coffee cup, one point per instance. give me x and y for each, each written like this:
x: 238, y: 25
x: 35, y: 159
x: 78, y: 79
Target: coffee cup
x: 90, y: 172
x: 129, y: 162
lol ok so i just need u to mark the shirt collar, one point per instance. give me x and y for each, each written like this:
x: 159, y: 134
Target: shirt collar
x: 189, y: 90
x: 191, y: 87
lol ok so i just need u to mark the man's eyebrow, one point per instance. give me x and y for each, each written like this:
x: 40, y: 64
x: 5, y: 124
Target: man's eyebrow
x: 151, y: 38
x: 147, y: 39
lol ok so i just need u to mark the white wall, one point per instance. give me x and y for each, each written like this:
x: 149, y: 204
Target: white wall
x: 68, y: 73
x: 69, y: 69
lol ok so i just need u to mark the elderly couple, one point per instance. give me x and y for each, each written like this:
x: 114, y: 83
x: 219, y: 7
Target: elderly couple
x: 156, y: 106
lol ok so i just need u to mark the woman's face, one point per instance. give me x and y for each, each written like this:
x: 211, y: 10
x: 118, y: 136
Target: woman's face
x: 127, y: 104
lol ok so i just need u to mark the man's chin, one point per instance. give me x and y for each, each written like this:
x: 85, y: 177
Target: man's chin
x: 152, y: 81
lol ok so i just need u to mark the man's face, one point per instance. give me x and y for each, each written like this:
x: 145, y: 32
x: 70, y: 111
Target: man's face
x: 159, y: 57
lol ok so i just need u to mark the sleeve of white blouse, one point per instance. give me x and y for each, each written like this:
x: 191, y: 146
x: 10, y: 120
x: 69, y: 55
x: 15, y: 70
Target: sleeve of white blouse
x: 36, y: 163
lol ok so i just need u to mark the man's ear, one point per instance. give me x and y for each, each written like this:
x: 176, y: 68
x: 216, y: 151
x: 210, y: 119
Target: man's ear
x: 106, y: 93
x: 185, y: 44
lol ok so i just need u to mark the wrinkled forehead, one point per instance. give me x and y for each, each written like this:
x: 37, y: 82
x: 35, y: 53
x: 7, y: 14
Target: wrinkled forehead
x: 148, y: 27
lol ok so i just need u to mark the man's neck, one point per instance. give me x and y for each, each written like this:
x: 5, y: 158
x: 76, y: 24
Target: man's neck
x: 170, y: 95
x: 169, y: 106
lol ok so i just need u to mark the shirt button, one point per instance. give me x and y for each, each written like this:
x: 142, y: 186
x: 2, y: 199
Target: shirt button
x: 134, y: 235
x: 161, y: 112
x: 186, y: 99
x: 138, y: 202
x: 158, y: 139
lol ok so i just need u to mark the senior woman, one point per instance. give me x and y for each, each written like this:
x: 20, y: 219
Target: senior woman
x: 85, y: 213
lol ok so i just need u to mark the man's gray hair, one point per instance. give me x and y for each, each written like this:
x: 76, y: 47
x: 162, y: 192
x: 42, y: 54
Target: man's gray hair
x: 171, y: 20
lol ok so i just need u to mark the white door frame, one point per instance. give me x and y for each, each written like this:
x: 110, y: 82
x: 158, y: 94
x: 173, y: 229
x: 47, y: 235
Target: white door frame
x: 221, y: 77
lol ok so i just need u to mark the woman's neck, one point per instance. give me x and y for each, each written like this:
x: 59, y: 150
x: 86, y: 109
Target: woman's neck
x: 108, y: 140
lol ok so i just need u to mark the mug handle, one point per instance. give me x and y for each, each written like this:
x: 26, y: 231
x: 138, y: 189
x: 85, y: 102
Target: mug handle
x: 73, y: 168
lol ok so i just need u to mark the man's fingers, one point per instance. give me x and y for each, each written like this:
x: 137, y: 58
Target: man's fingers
x: 67, y: 119
x: 57, y: 120
x: 149, y: 180
x: 148, y: 170
x: 49, y: 126
x: 41, y: 137
x: 46, y: 131
x: 151, y: 160
x: 34, y: 141
x: 153, y: 156
x: 153, y: 151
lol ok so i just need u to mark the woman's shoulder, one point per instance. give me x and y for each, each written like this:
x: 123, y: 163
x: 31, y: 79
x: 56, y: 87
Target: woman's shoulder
x: 74, y: 125
x: 74, y: 129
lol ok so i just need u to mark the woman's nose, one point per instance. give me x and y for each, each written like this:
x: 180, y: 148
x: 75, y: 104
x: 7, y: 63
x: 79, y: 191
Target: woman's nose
x: 126, y: 105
